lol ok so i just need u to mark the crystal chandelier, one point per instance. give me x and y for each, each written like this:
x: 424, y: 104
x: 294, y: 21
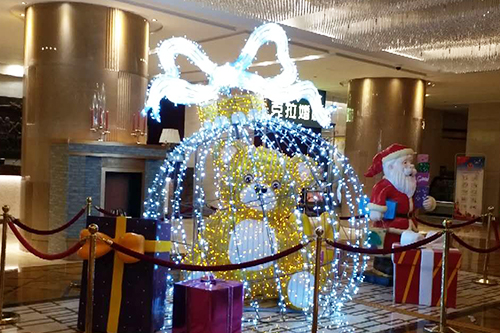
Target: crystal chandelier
x: 451, y: 35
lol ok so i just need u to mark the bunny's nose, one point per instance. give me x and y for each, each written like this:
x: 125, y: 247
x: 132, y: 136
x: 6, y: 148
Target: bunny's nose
x: 260, y: 189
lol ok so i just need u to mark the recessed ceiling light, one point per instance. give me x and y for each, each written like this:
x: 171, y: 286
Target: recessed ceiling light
x: 22, y: 15
x: 24, y: 3
x: 426, y: 95
x: 154, y: 20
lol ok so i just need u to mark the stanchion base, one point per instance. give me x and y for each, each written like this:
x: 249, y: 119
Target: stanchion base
x: 436, y: 329
x: 76, y: 285
x: 9, y: 318
x: 486, y: 282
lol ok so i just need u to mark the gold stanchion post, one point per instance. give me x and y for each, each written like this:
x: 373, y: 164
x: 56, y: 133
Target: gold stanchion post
x: 93, y: 229
x: 442, y: 327
x: 5, y: 317
x: 89, y: 206
x: 88, y: 212
x: 485, y: 280
x: 317, y: 277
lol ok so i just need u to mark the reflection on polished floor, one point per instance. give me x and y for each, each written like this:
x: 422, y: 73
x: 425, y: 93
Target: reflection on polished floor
x: 16, y: 258
x: 35, y: 284
x: 486, y: 317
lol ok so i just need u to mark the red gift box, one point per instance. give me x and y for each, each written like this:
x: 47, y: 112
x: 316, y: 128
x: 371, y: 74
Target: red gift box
x: 417, y: 276
x: 207, y: 306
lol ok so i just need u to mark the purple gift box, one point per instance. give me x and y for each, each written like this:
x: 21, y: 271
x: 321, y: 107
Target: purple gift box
x: 420, y: 195
x: 207, y: 306
x: 137, y: 303
x: 423, y: 179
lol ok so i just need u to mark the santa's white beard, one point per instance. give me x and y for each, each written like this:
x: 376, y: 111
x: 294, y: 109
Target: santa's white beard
x: 402, y: 182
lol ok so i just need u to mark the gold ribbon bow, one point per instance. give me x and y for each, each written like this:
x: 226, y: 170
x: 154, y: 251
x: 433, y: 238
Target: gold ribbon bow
x: 130, y: 240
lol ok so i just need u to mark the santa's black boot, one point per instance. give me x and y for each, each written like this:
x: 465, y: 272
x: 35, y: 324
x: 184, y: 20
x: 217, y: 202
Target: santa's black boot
x: 384, y: 265
x: 381, y: 273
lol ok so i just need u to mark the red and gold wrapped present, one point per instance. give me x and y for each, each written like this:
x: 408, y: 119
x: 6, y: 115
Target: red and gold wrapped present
x: 207, y: 306
x: 417, y: 276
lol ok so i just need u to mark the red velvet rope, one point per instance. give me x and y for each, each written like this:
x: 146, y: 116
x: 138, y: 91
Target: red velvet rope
x: 454, y: 226
x: 42, y: 255
x: 475, y: 249
x: 219, y: 268
x: 105, y: 212
x: 48, y: 232
x: 355, y: 249
x: 356, y: 217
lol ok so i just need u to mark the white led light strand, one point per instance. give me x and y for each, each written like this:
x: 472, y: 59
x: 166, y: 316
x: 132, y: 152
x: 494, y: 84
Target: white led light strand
x: 341, y: 282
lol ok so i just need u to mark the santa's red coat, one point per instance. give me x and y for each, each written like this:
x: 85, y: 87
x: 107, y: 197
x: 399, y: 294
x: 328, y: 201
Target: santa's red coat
x: 383, y: 191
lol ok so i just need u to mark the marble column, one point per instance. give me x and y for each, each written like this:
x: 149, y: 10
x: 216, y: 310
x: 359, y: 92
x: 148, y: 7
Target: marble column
x: 380, y: 112
x: 70, y: 48
x: 483, y: 138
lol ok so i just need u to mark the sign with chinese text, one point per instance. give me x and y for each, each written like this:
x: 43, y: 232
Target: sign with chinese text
x: 295, y: 111
x: 469, y: 187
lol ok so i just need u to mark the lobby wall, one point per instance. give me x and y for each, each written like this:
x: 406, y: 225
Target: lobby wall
x: 483, y: 137
x: 443, y: 138
x: 11, y: 86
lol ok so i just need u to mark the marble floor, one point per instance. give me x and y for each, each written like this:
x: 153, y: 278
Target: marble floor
x: 478, y: 307
x: 27, y: 285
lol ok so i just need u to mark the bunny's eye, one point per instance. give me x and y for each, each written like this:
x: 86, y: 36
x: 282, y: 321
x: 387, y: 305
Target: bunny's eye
x: 276, y: 185
x: 248, y: 179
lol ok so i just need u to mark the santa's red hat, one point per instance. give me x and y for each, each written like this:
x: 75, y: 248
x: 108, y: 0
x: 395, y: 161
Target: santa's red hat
x: 392, y: 152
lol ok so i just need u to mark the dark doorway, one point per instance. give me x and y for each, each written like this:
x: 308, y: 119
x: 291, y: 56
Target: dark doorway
x: 123, y: 193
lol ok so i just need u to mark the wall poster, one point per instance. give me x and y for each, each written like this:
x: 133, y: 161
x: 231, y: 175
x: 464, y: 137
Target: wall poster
x: 469, y: 179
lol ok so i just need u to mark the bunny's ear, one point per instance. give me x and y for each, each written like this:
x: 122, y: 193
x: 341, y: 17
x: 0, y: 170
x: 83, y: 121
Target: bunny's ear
x: 305, y: 167
x: 305, y: 173
x: 230, y: 149
x: 228, y: 153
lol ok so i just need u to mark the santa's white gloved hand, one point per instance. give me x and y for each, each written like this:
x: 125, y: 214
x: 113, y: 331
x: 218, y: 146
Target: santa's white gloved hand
x: 429, y: 204
x: 410, y: 237
x: 375, y: 215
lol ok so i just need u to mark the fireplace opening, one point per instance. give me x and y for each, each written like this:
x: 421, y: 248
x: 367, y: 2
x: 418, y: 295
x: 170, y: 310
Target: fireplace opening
x: 123, y: 192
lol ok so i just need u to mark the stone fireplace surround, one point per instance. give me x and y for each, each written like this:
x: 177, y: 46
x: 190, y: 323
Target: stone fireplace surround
x: 77, y: 172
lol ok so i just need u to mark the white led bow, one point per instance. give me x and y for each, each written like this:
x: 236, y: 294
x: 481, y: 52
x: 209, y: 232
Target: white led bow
x: 282, y: 88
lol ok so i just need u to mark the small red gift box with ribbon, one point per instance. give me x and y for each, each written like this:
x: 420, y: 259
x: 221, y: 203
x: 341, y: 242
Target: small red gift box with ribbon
x: 207, y: 305
x: 417, y: 276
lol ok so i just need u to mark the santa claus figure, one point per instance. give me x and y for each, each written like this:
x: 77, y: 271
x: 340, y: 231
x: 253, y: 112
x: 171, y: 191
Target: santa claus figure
x: 394, y: 192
